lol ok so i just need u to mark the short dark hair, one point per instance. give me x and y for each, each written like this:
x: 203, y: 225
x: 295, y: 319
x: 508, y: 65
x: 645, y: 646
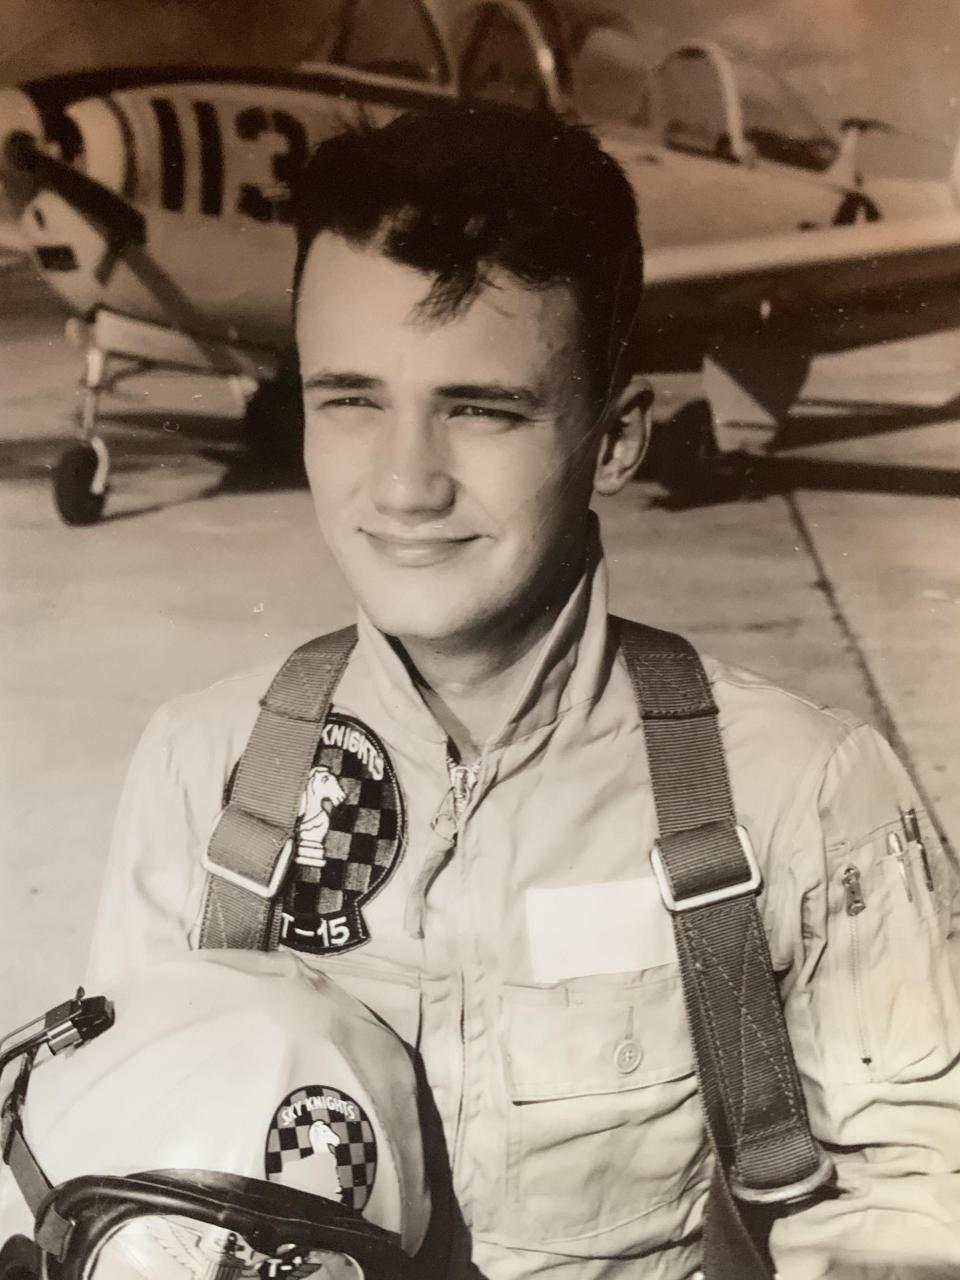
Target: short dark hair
x: 457, y: 190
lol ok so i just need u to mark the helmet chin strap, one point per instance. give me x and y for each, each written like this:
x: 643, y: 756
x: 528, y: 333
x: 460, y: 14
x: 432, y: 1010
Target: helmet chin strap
x: 74, y: 1022
x: 30, y: 1178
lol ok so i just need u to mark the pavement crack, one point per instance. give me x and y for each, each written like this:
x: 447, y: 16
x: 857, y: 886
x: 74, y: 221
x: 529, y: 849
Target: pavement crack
x: 883, y: 718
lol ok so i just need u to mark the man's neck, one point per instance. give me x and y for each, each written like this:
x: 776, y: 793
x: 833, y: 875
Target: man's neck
x: 471, y: 690
x: 470, y: 695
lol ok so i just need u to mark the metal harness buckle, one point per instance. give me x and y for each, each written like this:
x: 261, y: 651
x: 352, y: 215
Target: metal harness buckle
x: 740, y: 889
x: 800, y: 1190
x: 265, y: 891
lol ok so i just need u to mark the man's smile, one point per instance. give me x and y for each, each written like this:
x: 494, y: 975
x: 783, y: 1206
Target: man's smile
x: 416, y: 551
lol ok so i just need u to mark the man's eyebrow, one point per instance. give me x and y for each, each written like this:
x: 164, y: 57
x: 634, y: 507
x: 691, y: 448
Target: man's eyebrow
x: 490, y: 391
x: 328, y: 380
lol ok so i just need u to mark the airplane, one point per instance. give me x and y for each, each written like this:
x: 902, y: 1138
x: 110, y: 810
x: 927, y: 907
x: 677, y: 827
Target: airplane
x: 765, y: 244
x: 156, y: 203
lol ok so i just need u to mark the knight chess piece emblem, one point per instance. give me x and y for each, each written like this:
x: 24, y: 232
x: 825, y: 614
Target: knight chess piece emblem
x: 321, y: 1141
x: 349, y: 838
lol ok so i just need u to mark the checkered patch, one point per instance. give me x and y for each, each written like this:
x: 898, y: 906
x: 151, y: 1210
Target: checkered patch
x: 317, y: 1121
x: 348, y: 838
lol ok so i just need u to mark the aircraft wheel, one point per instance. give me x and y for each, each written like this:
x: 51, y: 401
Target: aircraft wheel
x: 73, y: 477
x: 273, y: 423
x: 855, y: 208
x: 685, y: 454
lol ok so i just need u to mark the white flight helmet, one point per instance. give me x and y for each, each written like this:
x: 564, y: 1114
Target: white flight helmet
x: 242, y: 1117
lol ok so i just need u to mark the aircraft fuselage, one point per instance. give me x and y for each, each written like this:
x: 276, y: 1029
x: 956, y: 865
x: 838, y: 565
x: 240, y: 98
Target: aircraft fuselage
x: 208, y: 158
x: 208, y: 161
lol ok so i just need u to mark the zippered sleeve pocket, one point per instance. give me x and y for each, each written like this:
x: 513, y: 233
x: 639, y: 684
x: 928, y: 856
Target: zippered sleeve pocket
x: 884, y: 1001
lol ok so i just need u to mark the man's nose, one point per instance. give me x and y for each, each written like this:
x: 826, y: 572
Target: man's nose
x: 411, y: 470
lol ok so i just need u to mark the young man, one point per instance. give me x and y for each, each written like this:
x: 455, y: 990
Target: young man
x: 477, y: 867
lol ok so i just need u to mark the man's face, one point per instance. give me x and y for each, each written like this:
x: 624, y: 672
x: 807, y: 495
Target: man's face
x: 450, y: 462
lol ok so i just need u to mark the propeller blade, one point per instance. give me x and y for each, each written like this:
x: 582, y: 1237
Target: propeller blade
x: 117, y: 220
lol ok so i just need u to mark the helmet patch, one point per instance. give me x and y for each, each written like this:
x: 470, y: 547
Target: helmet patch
x: 321, y: 1141
x: 348, y: 839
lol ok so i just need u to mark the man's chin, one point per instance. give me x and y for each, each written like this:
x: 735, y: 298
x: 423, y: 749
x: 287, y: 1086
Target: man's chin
x: 417, y: 628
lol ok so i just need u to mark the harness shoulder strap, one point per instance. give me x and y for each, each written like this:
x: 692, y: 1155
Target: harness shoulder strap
x: 251, y: 846
x: 752, y: 1098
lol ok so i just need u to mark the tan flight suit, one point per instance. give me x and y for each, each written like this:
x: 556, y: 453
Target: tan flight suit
x: 520, y: 943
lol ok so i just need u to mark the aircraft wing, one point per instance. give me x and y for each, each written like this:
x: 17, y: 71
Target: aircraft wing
x: 834, y: 288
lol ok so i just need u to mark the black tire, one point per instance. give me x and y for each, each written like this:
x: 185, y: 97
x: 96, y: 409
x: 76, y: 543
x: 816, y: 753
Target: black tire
x: 19, y: 1259
x: 72, y: 478
x: 855, y: 208
x: 273, y: 423
x: 684, y: 455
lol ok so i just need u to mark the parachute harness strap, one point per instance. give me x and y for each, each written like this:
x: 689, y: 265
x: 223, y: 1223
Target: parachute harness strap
x: 252, y: 844
x: 709, y: 879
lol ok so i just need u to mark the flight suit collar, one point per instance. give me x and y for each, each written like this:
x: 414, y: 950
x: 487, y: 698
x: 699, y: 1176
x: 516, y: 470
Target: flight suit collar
x: 567, y: 670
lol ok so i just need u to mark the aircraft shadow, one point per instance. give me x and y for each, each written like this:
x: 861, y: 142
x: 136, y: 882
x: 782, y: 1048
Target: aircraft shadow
x: 750, y: 479
x: 221, y: 443
x: 856, y: 419
x: 778, y: 474
x: 180, y: 443
x: 741, y: 477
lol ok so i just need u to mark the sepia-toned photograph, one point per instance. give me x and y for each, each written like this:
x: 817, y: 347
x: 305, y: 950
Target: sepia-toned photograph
x: 480, y: 639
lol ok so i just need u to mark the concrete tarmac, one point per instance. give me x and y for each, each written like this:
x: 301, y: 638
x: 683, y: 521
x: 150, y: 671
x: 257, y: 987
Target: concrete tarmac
x: 839, y: 576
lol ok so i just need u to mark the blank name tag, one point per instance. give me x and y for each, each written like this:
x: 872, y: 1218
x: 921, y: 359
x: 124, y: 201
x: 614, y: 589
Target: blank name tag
x: 619, y: 927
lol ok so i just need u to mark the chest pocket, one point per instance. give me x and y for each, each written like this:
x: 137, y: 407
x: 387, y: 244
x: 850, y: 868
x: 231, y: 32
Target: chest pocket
x: 604, y: 1122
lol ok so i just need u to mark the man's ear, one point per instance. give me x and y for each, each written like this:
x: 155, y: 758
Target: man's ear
x: 626, y: 435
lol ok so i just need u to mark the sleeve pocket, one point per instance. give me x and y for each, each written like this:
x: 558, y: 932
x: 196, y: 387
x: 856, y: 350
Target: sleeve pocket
x: 886, y: 1003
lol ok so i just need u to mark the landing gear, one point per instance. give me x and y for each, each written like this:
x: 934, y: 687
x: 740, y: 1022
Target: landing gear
x: 683, y: 452
x: 79, y: 486
x: 81, y: 475
x: 273, y: 410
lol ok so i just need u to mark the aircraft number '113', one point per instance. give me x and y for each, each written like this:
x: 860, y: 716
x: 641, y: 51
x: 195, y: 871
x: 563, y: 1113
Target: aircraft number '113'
x: 270, y: 204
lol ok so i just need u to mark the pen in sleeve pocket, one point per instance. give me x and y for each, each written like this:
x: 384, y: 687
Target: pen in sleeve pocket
x: 911, y: 828
x: 895, y: 845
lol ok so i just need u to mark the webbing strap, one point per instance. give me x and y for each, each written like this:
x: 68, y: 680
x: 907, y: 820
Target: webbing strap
x: 52, y: 1232
x: 251, y: 844
x: 751, y: 1093
x: 30, y: 1178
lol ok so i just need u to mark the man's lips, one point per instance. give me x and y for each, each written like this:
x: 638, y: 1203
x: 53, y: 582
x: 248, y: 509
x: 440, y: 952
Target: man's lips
x: 418, y: 552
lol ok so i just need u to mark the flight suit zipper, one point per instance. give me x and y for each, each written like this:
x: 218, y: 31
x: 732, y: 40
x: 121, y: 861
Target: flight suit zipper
x: 446, y: 827
x: 463, y: 781
x: 854, y: 905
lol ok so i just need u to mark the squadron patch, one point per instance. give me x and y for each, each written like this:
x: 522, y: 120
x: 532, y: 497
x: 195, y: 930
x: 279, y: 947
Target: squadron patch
x: 321, y: 1141
x: 348, y: 839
